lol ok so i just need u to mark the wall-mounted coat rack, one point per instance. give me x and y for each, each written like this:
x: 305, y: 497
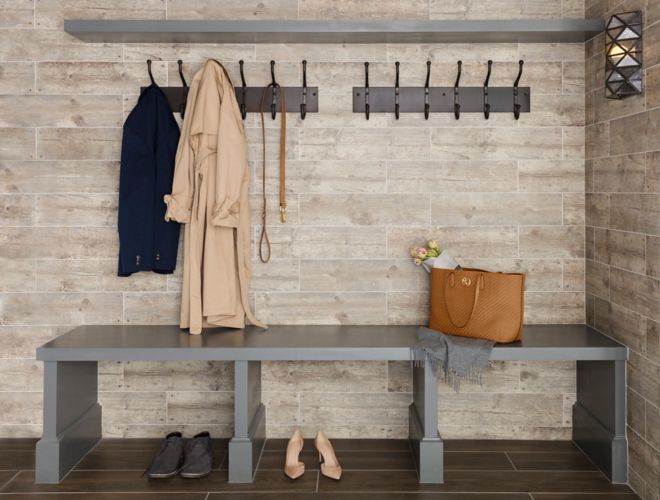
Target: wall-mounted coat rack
x: 301, y: 100
x: 454, y: 99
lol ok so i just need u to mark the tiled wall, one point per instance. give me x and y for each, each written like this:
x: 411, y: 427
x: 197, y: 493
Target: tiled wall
x: 623, y: 233
x: 500, y: 194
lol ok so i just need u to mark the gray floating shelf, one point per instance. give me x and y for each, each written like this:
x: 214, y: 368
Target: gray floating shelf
x: 275, y: 31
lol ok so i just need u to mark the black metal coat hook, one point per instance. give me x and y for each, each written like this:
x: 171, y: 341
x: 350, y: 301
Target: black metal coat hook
x: 486, y: 103
x: 457, y: 104
x: 427, y: 91
x: 303, y: 104
x: 273, y: 84
x: 366, y: 90
x: 243, y: 106
x: 516, y: 104
x: 396, y: 92
x: 149, y: 70
x: 182, y: 106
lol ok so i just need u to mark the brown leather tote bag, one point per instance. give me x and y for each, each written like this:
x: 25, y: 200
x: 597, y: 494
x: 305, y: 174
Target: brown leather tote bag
x: 478, y: 304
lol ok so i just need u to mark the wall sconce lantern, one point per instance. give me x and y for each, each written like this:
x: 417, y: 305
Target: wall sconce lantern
x: 623, y: 66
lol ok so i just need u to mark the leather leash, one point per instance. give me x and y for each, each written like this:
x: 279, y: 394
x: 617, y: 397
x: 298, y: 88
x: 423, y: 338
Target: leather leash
x: 264, y: 232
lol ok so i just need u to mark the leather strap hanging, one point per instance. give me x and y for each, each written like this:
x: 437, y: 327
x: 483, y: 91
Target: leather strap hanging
x: 264, y: 233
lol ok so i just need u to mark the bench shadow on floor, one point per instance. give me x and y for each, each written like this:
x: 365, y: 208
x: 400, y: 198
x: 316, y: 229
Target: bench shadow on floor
x: 373, y: 469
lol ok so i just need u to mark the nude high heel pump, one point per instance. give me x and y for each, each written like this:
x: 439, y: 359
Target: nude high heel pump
x: 329, y: 464
x: 293, y: 467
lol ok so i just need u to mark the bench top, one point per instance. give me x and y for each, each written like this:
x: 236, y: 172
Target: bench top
x: 309, y: 343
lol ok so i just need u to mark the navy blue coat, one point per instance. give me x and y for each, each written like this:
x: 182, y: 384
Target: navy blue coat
x: 146, y: 241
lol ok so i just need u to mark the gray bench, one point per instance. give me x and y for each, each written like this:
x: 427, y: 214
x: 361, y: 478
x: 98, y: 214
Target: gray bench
x: 72, y: 414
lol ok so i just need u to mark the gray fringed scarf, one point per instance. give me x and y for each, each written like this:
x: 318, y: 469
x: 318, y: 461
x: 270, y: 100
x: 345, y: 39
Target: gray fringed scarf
x: 459, y: 357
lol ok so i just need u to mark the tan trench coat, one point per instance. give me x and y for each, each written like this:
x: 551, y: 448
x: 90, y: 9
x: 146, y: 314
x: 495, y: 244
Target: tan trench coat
x: 210, y: 196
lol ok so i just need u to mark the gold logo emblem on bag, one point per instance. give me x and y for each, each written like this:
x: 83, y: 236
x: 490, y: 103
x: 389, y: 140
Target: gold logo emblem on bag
x: 466, y: 281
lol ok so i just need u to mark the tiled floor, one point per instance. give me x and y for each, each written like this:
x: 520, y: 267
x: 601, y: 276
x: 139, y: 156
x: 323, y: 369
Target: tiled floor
x: 373, y: 469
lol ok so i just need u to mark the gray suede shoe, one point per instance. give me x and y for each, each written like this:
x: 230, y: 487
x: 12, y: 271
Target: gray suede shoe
x: 198, y: 456
x: 169, y: 459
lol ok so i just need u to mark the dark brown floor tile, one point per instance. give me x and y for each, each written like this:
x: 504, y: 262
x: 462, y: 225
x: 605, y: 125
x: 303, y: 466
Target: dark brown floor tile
x: 349, y: 460
x: 508, y: 445
x: 350, y: 444
x: 16, y: 459
x: 475, y: 481
x: 551, y: 461
x: 473, y: 460
x: 105, y: 496
x: 5, y: 477
x: 133, y: 481
x: 115, y: 459
x: 371, y: 496
x: 584, y: 496
x: 18, y: 443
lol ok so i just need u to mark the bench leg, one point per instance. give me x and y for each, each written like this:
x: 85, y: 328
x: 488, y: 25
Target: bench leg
x: 249, y: 422
x: 72, y: 418
x: 423, y: 425
x: 599, y: 416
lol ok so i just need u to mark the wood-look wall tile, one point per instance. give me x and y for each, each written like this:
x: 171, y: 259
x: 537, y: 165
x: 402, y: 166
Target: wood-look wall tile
x: 22, y: 341
x: 451, y: 176
x: 619, y: 173
x: 228, y: 9
x: 621, y: 249
x: 597, y: 209
x: 282, y: 407
x: 17, y: 144
x: 61, y: 309
x: 652, y: 87
x: 407, y: 308
x: 93, y: 275
x: 645, y: 459
x: 143, y: 407
x: 552, y: 241
x: 149, y: 308
x: 59, y: 176
x: 653, y: 425
x: 18, y: 275
x: 324, y: 177
x: 137, y: 430
x: 461, y: 242
x: 17, y: 78
x: 58, y: 242
x: 355, y: 275
x: 598, y: 279
x: 275, y: 276
x: 178, y: 376
x: 16, y: 210
x: 450, y: 53
x: 76, y: 210
x: 16, y: 13
x: 653, y: 256
x: 597, y: 140
x: 638, y: 293
x: 636, y: 212
x: 595, y: 72
x: 111, y: 376
x: 374, y: 144
x: 573, y: 209
x: 547, y: 377
x: 53, y: 45
x: 333, y: 409
x: 653, y: 172
x: 636, y: 412
x: 322, y: 308
x: 553, y: 110
x: 462, y: 209
x: 501, y: 409
x: 364, y: 10
x: 255, y: 202
x: 364, y: 209
x: 629, y: 134
x: 21, y: 408
x: 555, y: 51
x: 540, y: 274
x: 501, y: 377
x: 51, y: 13
x: 255, y: 142
x: 483, y: 9
x: 79, y: 143
x: 573, y: 78
x: 102, y: 78
x: 292, y: 242
x: 573, y: 143
x: 399, y: 376
x: 495, y: 143
x: 21, y: 375
x: 200, y: 408
x: 554, y: 307
x: 552, y: 176
x: 622, y: 324
x: 326, y: 376
x: 573, y: 275
x: 61, y: 111
x: 644, y: 377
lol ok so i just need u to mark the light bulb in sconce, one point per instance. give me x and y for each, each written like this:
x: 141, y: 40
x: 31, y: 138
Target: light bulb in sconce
x: 623, y: 55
